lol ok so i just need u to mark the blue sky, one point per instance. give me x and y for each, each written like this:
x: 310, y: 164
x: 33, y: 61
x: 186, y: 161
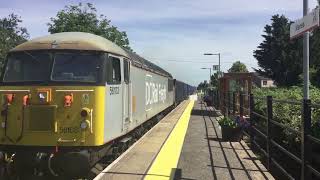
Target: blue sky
x: 164, y: 30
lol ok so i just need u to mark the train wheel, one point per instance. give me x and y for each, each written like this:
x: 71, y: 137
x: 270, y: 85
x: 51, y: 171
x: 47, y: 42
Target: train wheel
x: 124, y: 147
x: 9, y: 171
x: 2, y: 165
x: 2, y: 171
x: 132, y: 141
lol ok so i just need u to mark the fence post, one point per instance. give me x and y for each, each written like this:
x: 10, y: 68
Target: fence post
x: 305, y: 143
x: 269, y: 135
x: 218, y: 100
x: 229, y: 104
x: 234, y: 103
x: 251, y: 107
x: 224, y: 104
x: 241, y: 104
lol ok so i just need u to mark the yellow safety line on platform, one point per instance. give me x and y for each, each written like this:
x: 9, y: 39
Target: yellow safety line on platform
x: 169, y: 154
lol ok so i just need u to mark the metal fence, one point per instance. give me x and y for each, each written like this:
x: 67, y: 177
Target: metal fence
x: 264, y: 137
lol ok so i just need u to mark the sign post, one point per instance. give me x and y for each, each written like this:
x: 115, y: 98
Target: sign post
x: 302, y: 27
x: 306, y: 51
x: 305, y: 87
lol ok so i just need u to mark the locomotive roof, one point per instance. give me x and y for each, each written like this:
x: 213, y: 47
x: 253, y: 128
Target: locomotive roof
x: 145, y: 64
x: 72, y: 40
x: 87, y: 41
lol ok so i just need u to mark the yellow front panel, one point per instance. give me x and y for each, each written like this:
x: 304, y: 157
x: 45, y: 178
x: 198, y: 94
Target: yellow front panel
x: 48, y: 121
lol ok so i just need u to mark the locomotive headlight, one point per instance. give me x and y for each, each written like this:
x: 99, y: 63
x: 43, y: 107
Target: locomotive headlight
x: 85, y: 112
x: 85, y: 124
x: 42, y: 96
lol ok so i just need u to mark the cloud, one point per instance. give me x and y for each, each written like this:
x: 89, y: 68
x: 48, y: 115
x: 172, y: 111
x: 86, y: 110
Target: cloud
x: 149, y: 10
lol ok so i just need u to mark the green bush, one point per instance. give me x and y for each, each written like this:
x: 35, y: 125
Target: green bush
x: 289, y: 114
x: 226, y: 121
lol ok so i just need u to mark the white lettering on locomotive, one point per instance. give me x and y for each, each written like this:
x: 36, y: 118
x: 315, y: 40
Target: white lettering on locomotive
x: 155, y: 92
x: 114, y: 90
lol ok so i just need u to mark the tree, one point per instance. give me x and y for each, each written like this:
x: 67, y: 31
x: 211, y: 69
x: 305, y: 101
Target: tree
x: 11, y: 35
x: 315, y: 57
x: 238, y: 67
x: 279, y: 57
x: 203, y: 86
x: 214, y: 79
x: 84, y: 18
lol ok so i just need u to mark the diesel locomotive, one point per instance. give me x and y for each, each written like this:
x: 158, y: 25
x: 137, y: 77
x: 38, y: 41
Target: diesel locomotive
x: 68, y: 98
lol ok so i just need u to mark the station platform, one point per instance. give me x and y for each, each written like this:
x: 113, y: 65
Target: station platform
x: 186, y: 144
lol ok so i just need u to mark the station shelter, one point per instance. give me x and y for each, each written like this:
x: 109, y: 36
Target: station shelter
x: 231, y: 87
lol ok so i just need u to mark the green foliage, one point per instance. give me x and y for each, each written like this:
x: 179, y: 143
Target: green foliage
x: 228, y: 122
x: 11, y: 35
x: 238, y: 67
x: 203, y: 86
x: 84, y: 18
x: 279, y: 57
x: 286, y: 113
x: 214, y: 80
x: 315, y: 57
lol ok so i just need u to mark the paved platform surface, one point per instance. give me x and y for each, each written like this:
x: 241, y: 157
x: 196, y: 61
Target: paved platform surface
x: 205, y: 156
x: 137, y: 160
x: 187, y: 139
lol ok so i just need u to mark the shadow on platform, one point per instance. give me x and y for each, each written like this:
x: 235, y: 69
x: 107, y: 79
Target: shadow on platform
x: 203, y: 112
x: 221, y: 159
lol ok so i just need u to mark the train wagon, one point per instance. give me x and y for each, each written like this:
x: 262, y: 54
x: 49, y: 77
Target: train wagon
x: 182, y: 91
x: 67, y: 98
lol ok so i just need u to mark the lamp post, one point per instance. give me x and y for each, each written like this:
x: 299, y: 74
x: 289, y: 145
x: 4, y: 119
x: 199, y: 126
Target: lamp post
x: 210, y: 73
x: 214, y: 54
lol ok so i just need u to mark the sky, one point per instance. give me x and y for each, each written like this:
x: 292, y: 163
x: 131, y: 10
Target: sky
x: 167, y: 31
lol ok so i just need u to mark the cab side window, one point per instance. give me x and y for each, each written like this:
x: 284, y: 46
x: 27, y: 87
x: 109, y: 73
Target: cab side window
x: 113, y: 71
x: 126, y: 71
x: 170, y: 85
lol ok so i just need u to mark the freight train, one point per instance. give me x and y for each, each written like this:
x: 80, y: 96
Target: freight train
x: 68, y: 99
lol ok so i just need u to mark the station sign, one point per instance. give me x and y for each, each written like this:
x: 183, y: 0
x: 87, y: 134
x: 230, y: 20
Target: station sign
x: 215, y: 67
x: 305, y: 24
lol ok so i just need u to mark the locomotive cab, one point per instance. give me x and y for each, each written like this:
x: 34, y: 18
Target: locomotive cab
x: 54, y: 98
x: 51, y: 96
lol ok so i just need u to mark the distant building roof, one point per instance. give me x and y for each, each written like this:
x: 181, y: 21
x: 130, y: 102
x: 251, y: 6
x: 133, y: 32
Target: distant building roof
x: 257, y: 75
x: 236, y: 75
